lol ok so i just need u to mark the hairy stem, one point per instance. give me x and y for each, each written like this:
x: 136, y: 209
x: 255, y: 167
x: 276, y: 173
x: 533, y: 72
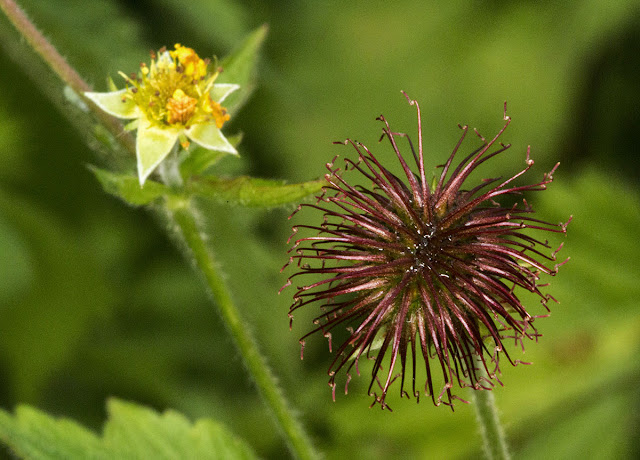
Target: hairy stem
x: 62, y: 69
x: 184, y: 217
x: 493, y: 437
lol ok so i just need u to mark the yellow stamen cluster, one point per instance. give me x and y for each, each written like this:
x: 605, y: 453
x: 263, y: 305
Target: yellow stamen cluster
x: 174, y: 90
x: 180, y: 108
x: 190, y: 61
x: 218, y: 112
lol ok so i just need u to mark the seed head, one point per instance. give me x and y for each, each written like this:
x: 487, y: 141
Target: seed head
x: 406, y: 264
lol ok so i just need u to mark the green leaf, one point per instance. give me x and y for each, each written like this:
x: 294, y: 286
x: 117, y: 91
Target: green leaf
x: 127, y: 187
x: 240, y: 67
x: 131, y: 432
x: 33, y: 434
x: 146, y: 434
x: 253, y: 192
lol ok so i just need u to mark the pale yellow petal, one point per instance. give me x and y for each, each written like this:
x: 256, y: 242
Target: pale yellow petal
x: 153, y: 144
x: 114, y: 103
x: 210, y: 137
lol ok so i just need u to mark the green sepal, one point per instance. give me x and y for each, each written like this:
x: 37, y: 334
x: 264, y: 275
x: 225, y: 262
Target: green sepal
x: 253, y: 192
x: 127, y: 187
x: 240, y: 67
x: 132, y: 125
x: 111, y: 84
x: 199, y: 159
x: 221, y: 91
x: 131, y: 431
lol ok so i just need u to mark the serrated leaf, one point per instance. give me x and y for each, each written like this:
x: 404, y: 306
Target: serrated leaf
x: 131, y: 432
x: 254, y: 192
x: 240, y: 67
x: 127, y: 187
x: 146, y: 434
x: 34, y: 434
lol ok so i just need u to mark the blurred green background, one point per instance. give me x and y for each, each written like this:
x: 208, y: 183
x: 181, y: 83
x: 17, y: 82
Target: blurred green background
x: 96, y: 302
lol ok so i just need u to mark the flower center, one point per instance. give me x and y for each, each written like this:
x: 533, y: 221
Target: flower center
x: 427, y: 250
x: 174, y: 90
x: 180, y: 108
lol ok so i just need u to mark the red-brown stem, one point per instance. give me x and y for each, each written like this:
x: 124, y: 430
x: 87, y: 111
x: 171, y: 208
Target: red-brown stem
x: 62, y: 69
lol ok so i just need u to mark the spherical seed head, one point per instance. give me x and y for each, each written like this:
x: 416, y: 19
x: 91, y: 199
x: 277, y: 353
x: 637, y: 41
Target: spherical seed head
x: 408, y: 266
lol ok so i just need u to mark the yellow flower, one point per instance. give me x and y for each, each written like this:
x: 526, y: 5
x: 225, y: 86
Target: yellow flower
x: 175, y: 97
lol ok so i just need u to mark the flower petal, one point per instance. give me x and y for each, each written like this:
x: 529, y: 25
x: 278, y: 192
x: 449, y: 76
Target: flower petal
x: 220, y: 91
x: 153, y: 144
x: 210, y: 137
x: 115, y: 104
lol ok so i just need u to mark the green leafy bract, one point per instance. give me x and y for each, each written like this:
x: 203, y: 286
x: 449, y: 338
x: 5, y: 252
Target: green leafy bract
x: 127, y: 187
x: 254, y: 192
x: 244, y: 191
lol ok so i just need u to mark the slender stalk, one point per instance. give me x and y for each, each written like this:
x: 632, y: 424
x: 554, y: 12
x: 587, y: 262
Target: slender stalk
x: 299, y: 443
x: 493, y: 437
x: 62, y: 69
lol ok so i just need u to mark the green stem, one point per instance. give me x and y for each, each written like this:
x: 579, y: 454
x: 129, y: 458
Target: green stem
x: 299, y: 443
x: 62, y: 69
x: 493, y: 437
